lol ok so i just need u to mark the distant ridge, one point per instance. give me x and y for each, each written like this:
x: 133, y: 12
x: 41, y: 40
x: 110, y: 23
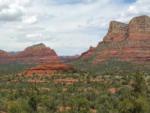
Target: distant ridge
x: 37, y: 54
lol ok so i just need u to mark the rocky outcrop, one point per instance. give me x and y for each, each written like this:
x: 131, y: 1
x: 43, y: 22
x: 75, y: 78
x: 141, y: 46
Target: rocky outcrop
x: 47, y: 69
x: 139, y: 28
x: 127, y: 42
x: 117, y: 32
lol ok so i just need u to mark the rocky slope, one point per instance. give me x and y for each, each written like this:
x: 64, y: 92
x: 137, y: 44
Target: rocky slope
x: 126, y: 42
x: 88, y: 53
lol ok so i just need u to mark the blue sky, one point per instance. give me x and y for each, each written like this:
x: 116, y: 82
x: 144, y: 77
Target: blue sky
x: 68, y: 26
x: 128, y: 1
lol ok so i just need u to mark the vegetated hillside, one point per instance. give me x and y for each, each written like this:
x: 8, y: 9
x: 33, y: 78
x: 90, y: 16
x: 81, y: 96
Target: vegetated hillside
x: 112, y: 66
x: 128, y: 44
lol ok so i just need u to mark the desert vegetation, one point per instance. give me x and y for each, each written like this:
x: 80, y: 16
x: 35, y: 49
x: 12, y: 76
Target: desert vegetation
x: 75, y: 92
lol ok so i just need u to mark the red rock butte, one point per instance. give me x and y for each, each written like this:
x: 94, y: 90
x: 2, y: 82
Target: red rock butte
x: 36, y: 54
x: 47, y: 59
x: 44, y: 57
x: 127, y: 42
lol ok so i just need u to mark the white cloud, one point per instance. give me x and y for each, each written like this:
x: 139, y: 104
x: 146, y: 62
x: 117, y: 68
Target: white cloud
x: 68, y: 26
x: 132, y: 9
x: 11, y: 12
x: 18, y: 2
x: 140, y: 7
x: 30, y: 19
x: 34, y: 35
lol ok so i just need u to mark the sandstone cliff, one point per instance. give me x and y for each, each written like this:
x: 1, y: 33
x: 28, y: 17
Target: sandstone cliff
x: 127, y: 42
x: 117, y: 32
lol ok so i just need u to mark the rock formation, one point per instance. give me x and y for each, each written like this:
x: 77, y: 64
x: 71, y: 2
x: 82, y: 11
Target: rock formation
x: 88, y: 53
x: 126, y: 42
x: 47, y: 69
x: 139, y: 28
x: 117, y: 32
x: 45, y: 59
x: 37, y: 54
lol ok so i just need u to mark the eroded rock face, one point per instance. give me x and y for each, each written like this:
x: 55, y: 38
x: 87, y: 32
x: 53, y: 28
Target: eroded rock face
x: 139, y: 28
x: 47, y: 69
x: 127, y: 42
x: 117, y: 32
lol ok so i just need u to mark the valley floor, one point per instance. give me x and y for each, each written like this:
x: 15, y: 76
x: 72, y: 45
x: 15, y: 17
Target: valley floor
x: 75, y: 93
